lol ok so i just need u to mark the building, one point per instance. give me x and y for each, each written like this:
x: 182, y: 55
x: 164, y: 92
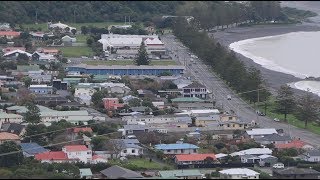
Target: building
x: 48, y: 51
x: 181, y: 174
x: 61, y: 26
x: 294, y: 144
x: 195, y: 90
x: 182, y: 159
x: 9, y: 49
x: 5, y: 27
x: 126, y: 70
x: 9, y: 34
x: 80, y: 152
x: 149, y: 119
x: 204, y: 121
x: 41, y: 89
x: 68, y: 39
x: 268, y: 160
x: 133, y: 129
x: 40, y: 78
x: 253, y: 151
x: 254, y: 133
x: 5, y: 136
x: 273, y: 139
x: 85, y: 173
x: 43, y: 58
x: 295, y: 173
x: 239, y: 173
x: 312, y: 155
x: 199, y: 112
x: 10, y: 118
x: 232, y: 125
x: 117, y: 172
x: 53, y: 157
x: 112, y: 103
x: 183, y: 148
x: 60, y: 85
x: 126, y: 147
x: 13, y: 128
x: 31, y: 149
x: 15, y: 53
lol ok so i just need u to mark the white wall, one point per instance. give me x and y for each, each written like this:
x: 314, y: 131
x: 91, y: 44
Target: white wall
x: 151, y: 120
x: 84, y: 156
x: 178, y: 151
x: 129, y: 152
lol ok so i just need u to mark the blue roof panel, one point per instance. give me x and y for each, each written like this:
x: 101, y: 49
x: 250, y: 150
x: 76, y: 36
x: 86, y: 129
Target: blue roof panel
x: 176, y: 146
x: 32, y: 148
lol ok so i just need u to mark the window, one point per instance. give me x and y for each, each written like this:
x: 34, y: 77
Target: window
x: 194, y: 150
x: 228, y: 125
x: 168, y: 150
x: 89, y: 152
x: 125, y: 151
x: 182, y: 151
x: 133, y: 151
x: 230, y: 118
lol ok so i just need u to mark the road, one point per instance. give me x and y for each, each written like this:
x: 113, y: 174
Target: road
x: 245, y: 112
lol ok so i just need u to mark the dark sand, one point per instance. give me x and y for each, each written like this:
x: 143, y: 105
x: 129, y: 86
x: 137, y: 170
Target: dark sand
x: 273, y: 79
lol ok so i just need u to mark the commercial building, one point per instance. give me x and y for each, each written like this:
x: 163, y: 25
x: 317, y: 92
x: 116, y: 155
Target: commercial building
x: 125, y: 70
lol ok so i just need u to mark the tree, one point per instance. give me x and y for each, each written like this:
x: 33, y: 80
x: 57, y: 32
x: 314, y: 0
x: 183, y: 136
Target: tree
x: 22, y: 59
x: 134, y: 102
x: 84, y: 30
x: 27, y: 81
x: 307, y: 109
x: 24, y: 96
x: 209, y: 138
x: 33, y: 114
x: 10, y: 159
x: 142, y: 58
x: 97, y: 97
x: 99, y: 143
x: 285, y: 101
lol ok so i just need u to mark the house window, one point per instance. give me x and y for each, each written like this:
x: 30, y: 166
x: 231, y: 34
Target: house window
x: 88, y: 152
x: 168, y: 150
x: 133, y: 151
x: 228, y: 125
x: 125, y: 151
x: 194, y: 150
x: 182, y: 151
x: 230, y: 118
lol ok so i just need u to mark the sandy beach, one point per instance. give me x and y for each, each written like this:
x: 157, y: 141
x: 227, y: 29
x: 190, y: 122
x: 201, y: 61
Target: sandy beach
x: 273, y: 79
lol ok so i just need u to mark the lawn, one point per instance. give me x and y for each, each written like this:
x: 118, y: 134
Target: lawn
x: 76, y: 51
x: 141, y: 163
x: 291, y: 119
x: 81, y: 38
x: 44, y: 26
x: 129, y: 62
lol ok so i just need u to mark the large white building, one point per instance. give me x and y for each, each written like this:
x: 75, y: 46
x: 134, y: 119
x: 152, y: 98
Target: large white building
x: 239, y: 173
x: 129, y: 44
x: 149, y: 119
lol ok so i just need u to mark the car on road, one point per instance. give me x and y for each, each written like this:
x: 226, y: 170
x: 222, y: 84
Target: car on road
x: 278, y: 166
x: 276, y: 119
x: 260, y: 113
x: 84, y: 57
x: 228, y: 97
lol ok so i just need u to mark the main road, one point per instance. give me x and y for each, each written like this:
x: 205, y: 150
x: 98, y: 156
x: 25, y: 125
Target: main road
x: 202, y: 73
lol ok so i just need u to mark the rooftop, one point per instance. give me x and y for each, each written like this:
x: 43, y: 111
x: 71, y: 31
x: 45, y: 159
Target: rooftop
x: 176, y: 146
x: 180, y: 173
x: 32, y: 148
x: 314, y: 152
x: 73, y: 148
x: 261, y: 131
x: 83, y: 129
x: 187, y: 99
x: 8, y: 136
x: 239, y: 171
x: 292, y: 144
x: 54, y: 155
x: 274, y: 137
x: 85, y: 172
x: 253, y: 151
x: 117, y: 172
x: 294, y: 170
x: 195, y: 85
x: 194, y: 157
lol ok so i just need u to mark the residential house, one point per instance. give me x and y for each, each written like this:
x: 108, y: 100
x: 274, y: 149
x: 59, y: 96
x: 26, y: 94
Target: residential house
x: 42, y: 57
x: 145, y: 93
x: 41, y: 89
x: 9, y: 49
x: 5, y: 136
x: 312, y: 155
x: 126, y: 147
x: 133, y: 129
x: 228, y: 117
x: 195, y: 90
x: 149, y: 119
x: 9, y: 34
x: 117, y: 172
x: 14, y: 128
x: 31, y: 149
x: 239, y: 173
x: 61, y: 26
x: 59, y: 85
x: 48, y: 51
x: 233, y: 125
x: 295, y: 173
x: 112, y: 104
x: 154, y: 46
x: 273, y: 139
x: 10, y: 118
x: 181, y: 174
x: 53, y: 157
x: 85, y: 173
x: 183, y: 148
x: 41, y: 78
x: 268, y: 160
x: 5, y: 27
x: 75, y: 131
x: 181, y: 83
x: 254, y: 133
x: 80, y: 152
x: 67, y: 39
x: 182, y: 159
x: 253, y: 151
x: 248, y: 158
x: 198, y: 112
x: 15, y: 53
x: 207, y: 120
x: 158, y: 104
x: 296, y: 143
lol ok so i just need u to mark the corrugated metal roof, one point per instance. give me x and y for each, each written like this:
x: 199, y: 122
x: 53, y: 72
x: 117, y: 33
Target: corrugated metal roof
x: 176, y: 146
x: 240, y: 171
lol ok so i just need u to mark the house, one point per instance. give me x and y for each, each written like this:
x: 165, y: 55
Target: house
x: 295, y: 173
x: 10, y: 118
x: 85, y: 173
x: 48, y: 51
x: 60, y: 26
x: 254, y: 133
x: 112, y: 103
x: 145, y: 93
x: 133, y: 129
x: 42, y: 57
x: 312, y: 155
x: 80, y: 152
x: 195, y: 90
x: 206, y: 120
x: 41, y: 89
x: 181, y: 159
x: 5, y: 27
x: 233, y: 125
x: 59, y: 85
x: 294, y: 144
x: 181, y: 174
x: 183, y: 148
x: 40, y: 78
x: 68, y: 39
x: 273, y: 139
x: 158, y: 104
x: 126, y: 147
x: 31, y: 149
x: 15, y: 53
x: 126, y: 69
x: 155, y: 46
x: 5, y: 136
x: 9, y: 34
x: 268, y: 160
x: 239, y: 173
x: 253, y: 151
x: 182, y: 82
x: 14, y: 128
x: 117, y: 172
x: 149, y: 119
x: 9, y: 49
x: 75, y: 131
x: 248, y: 158
x: 53, y: 157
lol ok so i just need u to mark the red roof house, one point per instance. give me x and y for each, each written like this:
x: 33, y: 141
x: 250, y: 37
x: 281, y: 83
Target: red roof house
x: 9, y: 34
x: 83, y: 129
x: 74, y: 148
x: 55, y: 156
x: 193, y: 158
x: 293, y: 144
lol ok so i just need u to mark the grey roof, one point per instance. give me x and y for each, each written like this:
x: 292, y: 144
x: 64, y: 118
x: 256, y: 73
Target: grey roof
x: 273, y: 137
x: 195, y: 85
x: 126, y: 143
x: 32, y: 148
x: 294, y: 170
x: 139, y: 109
x: 249, y: 156
x: 126, y: 67
x: 313, y: 152
x: 136, y: 127
x: 13, y: 128
x: 116, y: 172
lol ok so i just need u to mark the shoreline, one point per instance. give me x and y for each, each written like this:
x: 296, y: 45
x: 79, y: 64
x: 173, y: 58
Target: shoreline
x: 274, y: 79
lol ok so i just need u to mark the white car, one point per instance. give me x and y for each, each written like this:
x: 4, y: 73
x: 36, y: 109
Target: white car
x: 278, y: 166
x: 229, y: 97
x: 276, y: 119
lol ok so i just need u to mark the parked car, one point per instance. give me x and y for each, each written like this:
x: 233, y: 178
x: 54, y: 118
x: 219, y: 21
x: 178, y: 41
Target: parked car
x: 229, y: 97
x: 278, y: 166
x: 260, y: 113
x: 276, y: 119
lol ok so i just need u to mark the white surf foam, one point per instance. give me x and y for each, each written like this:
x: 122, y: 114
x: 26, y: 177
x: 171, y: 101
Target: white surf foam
x: 312, y: 86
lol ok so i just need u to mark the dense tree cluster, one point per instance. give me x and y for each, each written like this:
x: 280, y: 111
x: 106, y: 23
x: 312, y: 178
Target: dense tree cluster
x: 224, y: 63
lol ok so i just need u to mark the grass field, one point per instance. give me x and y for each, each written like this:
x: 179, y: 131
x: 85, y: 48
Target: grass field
x: 141, y: 163
x: 129, y: 62
x: 44, y: 26
x: 76, y: 51
x: 291, y: 119
x: 81, y: 38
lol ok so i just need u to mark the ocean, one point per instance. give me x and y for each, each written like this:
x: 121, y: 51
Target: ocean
x: 296, y: 53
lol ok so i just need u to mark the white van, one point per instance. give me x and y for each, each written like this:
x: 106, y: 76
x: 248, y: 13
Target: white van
x: 278, y: 166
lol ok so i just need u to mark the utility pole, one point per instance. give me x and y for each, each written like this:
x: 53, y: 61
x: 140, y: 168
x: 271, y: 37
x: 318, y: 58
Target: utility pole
x: 258, y: 106
x: 74, y: 16
x: 129, y: 21
x: 36, y: 17
x: 125, y: 20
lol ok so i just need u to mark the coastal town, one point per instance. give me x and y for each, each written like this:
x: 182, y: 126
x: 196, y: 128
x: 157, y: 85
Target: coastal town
x: 131, y: 100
